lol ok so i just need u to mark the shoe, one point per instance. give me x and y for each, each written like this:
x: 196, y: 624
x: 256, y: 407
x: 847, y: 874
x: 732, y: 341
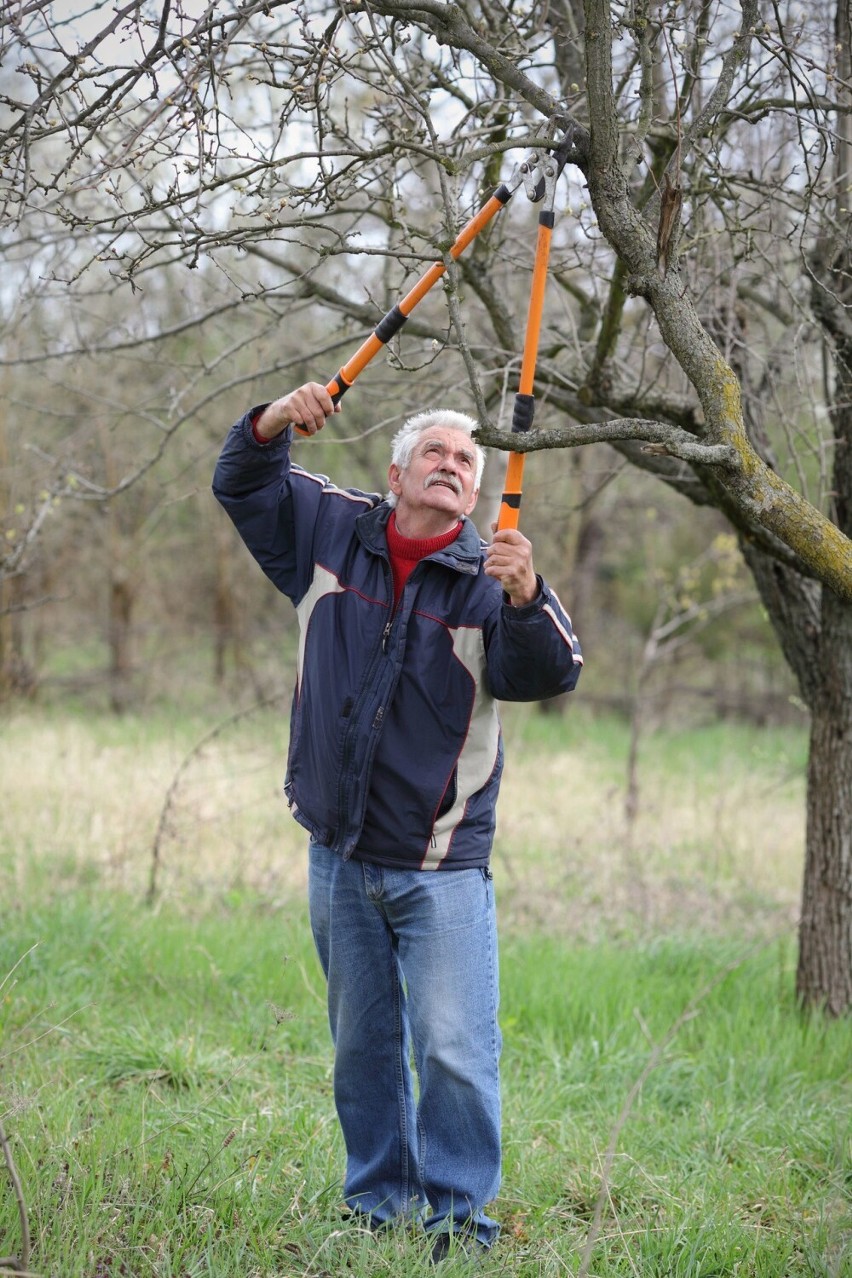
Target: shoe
x: 459, y: 1246
x: 364, y: 1220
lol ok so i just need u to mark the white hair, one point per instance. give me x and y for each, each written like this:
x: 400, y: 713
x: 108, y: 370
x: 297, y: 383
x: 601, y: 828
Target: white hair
x: 403, y: 442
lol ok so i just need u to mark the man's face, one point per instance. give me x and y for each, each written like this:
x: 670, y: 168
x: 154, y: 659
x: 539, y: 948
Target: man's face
x: 440, y: 477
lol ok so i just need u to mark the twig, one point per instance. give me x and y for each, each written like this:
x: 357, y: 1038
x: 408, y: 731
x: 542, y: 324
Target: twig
x: 13, y: 969
x: 11, y: 1264
x: 51, y: 1029
x: 223, y: 1145
x: 185, y: 762
x: 556, y: 1256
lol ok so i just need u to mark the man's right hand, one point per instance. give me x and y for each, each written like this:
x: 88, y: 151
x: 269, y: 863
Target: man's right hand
x: 307, y: 407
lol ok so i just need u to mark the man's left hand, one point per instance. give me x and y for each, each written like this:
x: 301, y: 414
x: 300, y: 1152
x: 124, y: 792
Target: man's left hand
x: 509, y: 559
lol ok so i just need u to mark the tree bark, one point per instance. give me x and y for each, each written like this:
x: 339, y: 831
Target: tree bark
x: 824, y: 975
x: 17, y: 674
x: 121, y: 597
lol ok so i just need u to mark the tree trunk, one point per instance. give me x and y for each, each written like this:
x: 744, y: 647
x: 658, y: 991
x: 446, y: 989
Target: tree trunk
x: 225, y: 611
x: 824, y: 976
x: 120, y: 651
x: 17, y: 674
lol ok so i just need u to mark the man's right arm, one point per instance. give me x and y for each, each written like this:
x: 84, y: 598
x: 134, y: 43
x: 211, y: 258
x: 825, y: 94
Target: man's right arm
x: 307, y: 408
x: 252, y: 482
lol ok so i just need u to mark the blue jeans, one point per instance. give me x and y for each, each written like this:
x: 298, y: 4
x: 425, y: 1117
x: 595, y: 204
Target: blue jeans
x: 410, y: 957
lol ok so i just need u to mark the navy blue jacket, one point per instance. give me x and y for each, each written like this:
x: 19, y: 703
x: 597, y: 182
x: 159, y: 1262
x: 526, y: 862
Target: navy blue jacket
x: 395, y: 749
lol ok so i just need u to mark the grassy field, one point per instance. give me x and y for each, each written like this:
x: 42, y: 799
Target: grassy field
x: 165, y: 1071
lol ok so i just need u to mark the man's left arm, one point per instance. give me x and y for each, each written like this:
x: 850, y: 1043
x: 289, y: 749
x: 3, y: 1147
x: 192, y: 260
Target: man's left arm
x: 532, y: 651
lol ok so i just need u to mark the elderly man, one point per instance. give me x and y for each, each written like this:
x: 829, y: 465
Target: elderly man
x: 410, y: 631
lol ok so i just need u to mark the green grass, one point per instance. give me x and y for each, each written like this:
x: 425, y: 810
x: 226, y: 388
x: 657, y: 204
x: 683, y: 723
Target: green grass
x: 167, y: 1091
x: 165, y: 1072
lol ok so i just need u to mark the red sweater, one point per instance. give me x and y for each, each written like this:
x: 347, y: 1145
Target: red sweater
x: 405, y: 552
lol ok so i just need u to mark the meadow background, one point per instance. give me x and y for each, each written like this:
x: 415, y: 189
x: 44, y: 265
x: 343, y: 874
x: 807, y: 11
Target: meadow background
x: 165, y: 1067
x: 179, y: 243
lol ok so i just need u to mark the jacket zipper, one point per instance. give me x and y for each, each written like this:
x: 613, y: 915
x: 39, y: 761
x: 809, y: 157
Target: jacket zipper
x: 379, y: 715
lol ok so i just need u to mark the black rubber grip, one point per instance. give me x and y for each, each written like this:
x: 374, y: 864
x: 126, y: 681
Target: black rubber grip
x: 512, y: 500
x: 343, y: 387
x: 390, y: 324
x: 522, y: 417
x: 547, y: 218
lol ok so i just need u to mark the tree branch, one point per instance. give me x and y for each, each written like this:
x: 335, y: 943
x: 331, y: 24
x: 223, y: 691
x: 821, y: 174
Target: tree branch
x: 659, y: 438
x: 449, y: 27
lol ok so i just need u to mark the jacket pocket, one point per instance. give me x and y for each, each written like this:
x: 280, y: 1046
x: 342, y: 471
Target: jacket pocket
x: 450, y: 795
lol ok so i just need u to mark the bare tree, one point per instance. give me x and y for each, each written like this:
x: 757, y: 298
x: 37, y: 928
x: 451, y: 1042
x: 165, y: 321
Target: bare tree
x: 304, y: 161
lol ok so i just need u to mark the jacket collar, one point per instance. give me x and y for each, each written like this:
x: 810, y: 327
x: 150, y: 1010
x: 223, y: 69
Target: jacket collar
x: 464, y: 554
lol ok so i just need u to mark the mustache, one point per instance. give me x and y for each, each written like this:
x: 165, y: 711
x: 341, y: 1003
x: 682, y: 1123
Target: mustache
x: 442, y: 477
